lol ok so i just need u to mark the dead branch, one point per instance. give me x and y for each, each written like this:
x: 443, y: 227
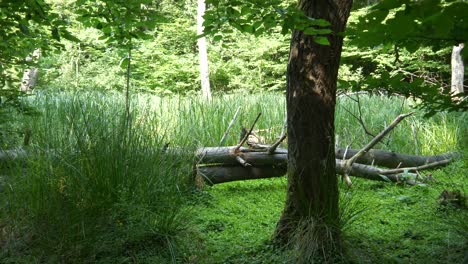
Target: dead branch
x: 359, y: 118
x: 348, y: 163
x: 273, y: 147
x: 419, y: 168
x: 247, y: 135
x: 222, y: 164
x: 377, y: 139
x: 229, y: 127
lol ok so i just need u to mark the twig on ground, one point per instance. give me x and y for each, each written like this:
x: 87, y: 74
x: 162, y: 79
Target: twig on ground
x: 418, y: 168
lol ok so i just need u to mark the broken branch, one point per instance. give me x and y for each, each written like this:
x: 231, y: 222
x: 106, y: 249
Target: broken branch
x: 348, y: 163
x: 247, y: 135
x: 229, y: 127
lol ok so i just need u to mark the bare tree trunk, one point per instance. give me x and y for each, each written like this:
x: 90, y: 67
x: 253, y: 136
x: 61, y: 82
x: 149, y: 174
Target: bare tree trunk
x: 203, y: 54
x: 312, y: 198
x: 29, y: 80
x: 457, y: 69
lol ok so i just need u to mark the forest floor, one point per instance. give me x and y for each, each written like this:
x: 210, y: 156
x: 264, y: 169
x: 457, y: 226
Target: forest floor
x: 383, y: 222
x: 108, y: 194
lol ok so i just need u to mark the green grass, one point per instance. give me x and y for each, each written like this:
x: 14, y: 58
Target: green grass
x: 99, y: 192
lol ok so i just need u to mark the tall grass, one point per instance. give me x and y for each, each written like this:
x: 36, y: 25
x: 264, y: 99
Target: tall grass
x: 101, y: 188
x: 99, y: 185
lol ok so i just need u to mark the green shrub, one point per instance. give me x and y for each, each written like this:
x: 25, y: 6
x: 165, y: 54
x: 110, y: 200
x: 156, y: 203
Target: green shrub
x: 98, y: 185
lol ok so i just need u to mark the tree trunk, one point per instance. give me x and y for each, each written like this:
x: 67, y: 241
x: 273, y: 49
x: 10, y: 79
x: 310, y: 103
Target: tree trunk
x: 30, y: 75
x: 203, y: 54
x: 457, y: 69
x: 312, y: 197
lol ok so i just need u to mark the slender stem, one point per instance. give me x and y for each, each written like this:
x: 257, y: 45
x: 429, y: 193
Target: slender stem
x: 229, y: 127
x: 127, y: 90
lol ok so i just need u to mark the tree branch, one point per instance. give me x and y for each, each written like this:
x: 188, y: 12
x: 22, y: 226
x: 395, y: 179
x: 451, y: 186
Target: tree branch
x: 236, y: 149
x: 348, y: 163
x: 229, y: 127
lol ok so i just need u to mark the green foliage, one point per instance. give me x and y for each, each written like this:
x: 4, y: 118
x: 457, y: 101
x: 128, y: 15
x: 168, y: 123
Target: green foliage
x: 410, y: 24
x: 95, y: 189
x: 257, y: 17
x: 119, y: 21
x: 411, y: 62
x: 235, y: 67
x: 168, y: 64
x: 24, y: 27
x: 98, y: 192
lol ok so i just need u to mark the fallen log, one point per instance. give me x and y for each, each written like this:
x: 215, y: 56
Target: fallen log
x: 384, y: 158
x: 390, y: 159
x: 225, y: 164
x: 220, y: 174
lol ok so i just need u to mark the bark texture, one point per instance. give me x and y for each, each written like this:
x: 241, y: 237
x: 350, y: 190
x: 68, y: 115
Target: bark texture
x: 311, y: 91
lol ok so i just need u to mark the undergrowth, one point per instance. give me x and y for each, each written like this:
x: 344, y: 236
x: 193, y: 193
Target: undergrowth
x: 101, y: 186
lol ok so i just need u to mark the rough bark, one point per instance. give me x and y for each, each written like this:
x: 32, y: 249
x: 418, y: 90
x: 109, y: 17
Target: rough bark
x: 311, y: 91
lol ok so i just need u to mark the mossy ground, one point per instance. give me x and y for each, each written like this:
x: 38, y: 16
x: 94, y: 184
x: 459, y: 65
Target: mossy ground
x: 393, y: 223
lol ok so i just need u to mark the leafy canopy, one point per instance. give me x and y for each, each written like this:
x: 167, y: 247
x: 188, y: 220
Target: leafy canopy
x: 24, y: 27
x: 257, y: 17
x: 412, y: 24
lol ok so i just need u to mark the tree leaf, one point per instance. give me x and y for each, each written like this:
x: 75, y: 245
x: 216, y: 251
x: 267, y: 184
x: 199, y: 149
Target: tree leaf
x: 322, y: 41
x: 310, y: 31
x: 124, y: 63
